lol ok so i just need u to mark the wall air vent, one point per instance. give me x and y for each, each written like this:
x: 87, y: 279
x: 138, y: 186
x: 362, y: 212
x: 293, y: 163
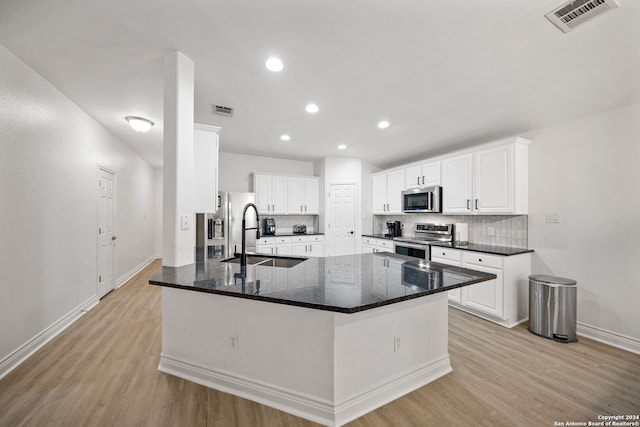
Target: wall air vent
x: 222, y: 110
x: 576, y: 12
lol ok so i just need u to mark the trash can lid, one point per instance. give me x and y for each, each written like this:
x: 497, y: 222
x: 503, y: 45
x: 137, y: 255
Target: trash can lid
x: 543, y: 278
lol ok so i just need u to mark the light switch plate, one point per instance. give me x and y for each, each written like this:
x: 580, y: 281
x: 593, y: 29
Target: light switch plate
x: 553, y: 217
x: 184, y: 223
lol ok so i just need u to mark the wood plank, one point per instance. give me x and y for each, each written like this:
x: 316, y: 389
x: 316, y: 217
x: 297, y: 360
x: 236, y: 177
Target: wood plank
x: 102, y: 371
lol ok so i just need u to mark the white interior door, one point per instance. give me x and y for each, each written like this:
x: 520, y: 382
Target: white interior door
x: 106, y: 236
x: 341, y: 219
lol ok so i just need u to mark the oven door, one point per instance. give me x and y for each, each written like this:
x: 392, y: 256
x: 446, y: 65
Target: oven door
x: 412, y: 249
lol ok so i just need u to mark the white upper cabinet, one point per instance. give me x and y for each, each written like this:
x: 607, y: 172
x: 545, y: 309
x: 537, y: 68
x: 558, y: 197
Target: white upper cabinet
x: 387, y: 189
x: 271, y: 193
x: 282, y: 194
x: 424, y: 175
x: 493, y: 180
x: 303, y: 195
x: 205, y: 168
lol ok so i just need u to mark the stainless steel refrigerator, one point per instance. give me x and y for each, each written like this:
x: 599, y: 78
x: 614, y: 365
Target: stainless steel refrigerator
x: 220, y: 233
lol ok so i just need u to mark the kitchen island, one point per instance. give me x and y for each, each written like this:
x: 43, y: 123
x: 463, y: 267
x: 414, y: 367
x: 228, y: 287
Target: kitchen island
x: 327, y: 339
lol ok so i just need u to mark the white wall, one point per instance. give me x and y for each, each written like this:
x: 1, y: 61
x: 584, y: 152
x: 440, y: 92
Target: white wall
x: 235, y: 169
x: 587, y: 170
x: 49, y: 155
x: 367, y: 170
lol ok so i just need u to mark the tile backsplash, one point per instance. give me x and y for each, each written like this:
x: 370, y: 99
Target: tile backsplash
x: 501, y: 230
x: 285, y: 223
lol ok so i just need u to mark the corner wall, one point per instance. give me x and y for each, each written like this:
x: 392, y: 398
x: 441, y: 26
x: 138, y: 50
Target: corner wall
x: 50, y: 150
x: 587, y: 170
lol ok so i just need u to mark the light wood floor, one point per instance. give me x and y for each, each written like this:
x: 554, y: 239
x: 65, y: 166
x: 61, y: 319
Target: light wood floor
x: 102, y: 371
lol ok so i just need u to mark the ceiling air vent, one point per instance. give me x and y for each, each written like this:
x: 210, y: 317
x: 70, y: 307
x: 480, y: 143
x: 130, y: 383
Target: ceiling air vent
x: 576, y: 12
x: 222, y: 110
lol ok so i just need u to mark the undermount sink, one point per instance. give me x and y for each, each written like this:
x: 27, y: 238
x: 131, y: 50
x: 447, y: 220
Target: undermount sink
x: 268, y: 261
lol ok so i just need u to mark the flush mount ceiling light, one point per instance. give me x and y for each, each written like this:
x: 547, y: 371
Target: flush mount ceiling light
x: 274, y: 64
x: 139, y: 124
x: 312, y: 108
x: 342, y: 147
x: 285, y: 138
x: 383, y: 124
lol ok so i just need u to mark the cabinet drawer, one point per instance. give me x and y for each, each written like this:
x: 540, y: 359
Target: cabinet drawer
x: 388, y: 244
x: 369, y: 241
x: 445, y: 253
x: 299, y: 239
x: 265, y: 241
x: 283, y: 240
x: 316, y: 238
x: 480, y: 259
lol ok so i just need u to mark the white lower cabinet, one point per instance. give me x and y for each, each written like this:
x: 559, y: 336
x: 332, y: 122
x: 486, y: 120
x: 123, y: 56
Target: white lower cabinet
x: 503, y: 300
x: 371, y: 245
x: 307, y: 246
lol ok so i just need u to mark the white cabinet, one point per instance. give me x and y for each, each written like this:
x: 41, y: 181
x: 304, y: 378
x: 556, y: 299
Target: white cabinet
x: 387, y: 189
x: 371, y: 245
x: 303, y: 195
x: 307, y: 246
x: 503, y: 300
x: 271, y: 193
x: 423, y: 175
x: 205, y: 168
x: 449, y: 257
x: 488, y: 181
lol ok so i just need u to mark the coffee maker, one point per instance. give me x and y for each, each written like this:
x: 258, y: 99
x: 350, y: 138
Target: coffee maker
x: 394, y: 229
x: 269, y: 227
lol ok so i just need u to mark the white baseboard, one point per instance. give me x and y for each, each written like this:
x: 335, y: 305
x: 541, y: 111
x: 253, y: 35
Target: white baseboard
x: 135, y: 270
x: 22, y: 353
x: 611, y: 338
x: 309, y: 407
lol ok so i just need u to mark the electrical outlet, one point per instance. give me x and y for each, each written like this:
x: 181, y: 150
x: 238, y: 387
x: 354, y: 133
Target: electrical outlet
x: 553, y: 217
x: 396, y: 344
x: 491, y: 231
x: 233, y: 342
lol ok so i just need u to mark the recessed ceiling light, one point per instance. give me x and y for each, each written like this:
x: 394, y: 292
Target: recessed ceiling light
x: 139, y: 124
x: 383, y: 124
x: 342, y: 147
x: 274, y: 64
x: 312, y: 108
x: 285, y: 137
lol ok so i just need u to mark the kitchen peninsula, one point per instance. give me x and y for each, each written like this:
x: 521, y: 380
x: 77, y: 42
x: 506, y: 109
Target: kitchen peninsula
x: 328, y: 339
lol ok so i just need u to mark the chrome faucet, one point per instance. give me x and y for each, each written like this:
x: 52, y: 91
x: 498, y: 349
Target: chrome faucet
x: 243, y: 256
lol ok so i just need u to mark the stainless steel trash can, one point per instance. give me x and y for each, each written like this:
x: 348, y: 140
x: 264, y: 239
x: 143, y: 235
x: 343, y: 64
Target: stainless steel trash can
x: 552, y: 307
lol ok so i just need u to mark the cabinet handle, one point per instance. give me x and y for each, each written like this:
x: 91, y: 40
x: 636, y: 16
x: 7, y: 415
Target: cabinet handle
x: 418, y: 180
x: 300, y: 208
x: 479, y: 259
x: 468, y: 207
x: 443, y: 253
x: 305, y: 208
x: 423, y: 180
x: 476, y: 204
x: 387, y: 207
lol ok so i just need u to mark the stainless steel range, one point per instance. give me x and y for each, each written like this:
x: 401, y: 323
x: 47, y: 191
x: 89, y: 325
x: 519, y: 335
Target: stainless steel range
x: 424, y: 233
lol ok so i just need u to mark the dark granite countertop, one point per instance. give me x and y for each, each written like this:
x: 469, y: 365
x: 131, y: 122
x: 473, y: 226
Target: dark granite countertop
x: 345, y: 284
x: 489, y: 249
x: 378, y: 236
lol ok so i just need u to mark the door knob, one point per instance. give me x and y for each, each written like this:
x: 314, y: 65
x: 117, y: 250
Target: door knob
x: 351, y: 232
x: 114, y: 238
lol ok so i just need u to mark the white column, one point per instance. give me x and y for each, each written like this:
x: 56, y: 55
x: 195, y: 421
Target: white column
x: 177, y: 209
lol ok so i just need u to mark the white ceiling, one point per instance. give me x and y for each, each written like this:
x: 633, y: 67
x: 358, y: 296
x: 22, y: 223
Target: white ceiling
x: 446, y: 73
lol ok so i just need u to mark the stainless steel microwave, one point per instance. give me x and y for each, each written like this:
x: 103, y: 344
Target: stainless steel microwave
x: 422, y: 200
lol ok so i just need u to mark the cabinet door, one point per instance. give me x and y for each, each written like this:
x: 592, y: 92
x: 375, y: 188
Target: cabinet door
x: 413, y: 177
x: 311, y: 196
x: 493, y: 180
x: 299, y: 249
x: 262, y: 186
x: 283, y: 249
x: 448, y: 256
x: 316, y: 249
x: 380, y: 193
x: 368, y: 249
x: 486, y: 297
x: 431, y: 174
x: 295, y: 195
x: 457, y: 184
x: 279, y: 195
x: 395, y: 186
